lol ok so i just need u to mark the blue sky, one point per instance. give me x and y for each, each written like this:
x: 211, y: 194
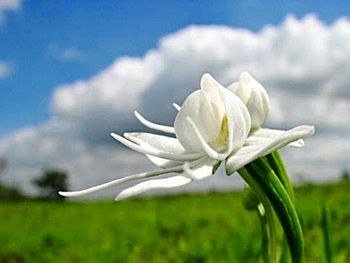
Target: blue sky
x: 35, y: 37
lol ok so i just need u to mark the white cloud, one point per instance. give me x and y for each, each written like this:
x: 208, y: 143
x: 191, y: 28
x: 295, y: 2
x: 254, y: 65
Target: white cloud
x: 5, y: 69
x: 69, y: 54
x: 303, y: 64
x: 8, y: 6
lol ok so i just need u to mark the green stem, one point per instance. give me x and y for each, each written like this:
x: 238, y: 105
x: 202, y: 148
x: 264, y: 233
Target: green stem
x: 275, y: 161
x: 274, y: 190
x: 269, y: 241
x: 265, y: 250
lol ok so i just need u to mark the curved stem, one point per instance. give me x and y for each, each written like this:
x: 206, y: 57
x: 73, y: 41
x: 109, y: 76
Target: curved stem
x: 269, y: 242
x: 265, y: 251
x: 275, y: 160
x: 274, y: 190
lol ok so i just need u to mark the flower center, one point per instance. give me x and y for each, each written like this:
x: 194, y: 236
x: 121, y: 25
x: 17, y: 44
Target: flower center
x: 220, y: 143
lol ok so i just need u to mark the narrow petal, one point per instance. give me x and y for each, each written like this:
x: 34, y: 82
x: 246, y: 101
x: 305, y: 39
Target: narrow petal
x: 197, y: 170
x: 122, y: 180
x: 163, y: 163
x: 140, y: 188
x: 201, y: 172
x: 249, y: 153
x: 154, y: 126
x: 204, y: 145
x: 157, y: 142
x: 160, y: 143
x: 176, y: 106
x: 151, y: 151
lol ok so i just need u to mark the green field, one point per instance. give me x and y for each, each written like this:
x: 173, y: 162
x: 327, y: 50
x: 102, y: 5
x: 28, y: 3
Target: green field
x: 189, y: 228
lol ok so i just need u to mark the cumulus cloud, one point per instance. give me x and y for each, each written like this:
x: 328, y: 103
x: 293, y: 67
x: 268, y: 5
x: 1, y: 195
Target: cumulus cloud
x: 303, y: 64
x: 8, y: 6
x: 5, y: 69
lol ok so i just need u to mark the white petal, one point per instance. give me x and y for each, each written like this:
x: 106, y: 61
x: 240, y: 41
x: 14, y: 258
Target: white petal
x: 242, y: 91
x: 212, y: 153
x: 207, y: 110
x: 209, y: 119
x: 122, y: 180
x: 195, y: 171
x: 250, y: 153
x: 238, y: 119
x: 163, y: 163
x: 200, y: 110
x: 212, y: 109
x: 154, y: 126
x: 160, y: 143
x: 140, y: 188
x: 177, y: 107
x: 183, y: 131
x: 210, y: 86
x: 264, y: 134
x: 151, y: 151
x: 203, y: 171
x: 258, y: 103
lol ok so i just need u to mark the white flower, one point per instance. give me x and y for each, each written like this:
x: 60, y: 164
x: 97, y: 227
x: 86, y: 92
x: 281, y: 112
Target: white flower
x: 213, y: 125
x: 254, y: 96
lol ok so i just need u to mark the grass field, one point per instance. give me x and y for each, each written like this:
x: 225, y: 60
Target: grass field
x: 192, y: 228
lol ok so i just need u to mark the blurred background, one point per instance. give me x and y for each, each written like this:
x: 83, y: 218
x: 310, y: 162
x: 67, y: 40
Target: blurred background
x: 71, y: 72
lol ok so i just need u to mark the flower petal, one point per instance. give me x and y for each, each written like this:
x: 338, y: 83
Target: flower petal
x: 200, y: 172
x: 243, y: 92
x: 231, y: 106
x: 238, y: 119
x: 157, y: 142
x: 122, y: 180
x: 151, y: 151
x: 213, y: 120
x: 254, y: 96
x: 259, y: 102
x: 249, y: 153
x: 212, y: 153
x: 183, y: 131
x: 206, y: 109
x: 176, y: 106
x: 192, y: 171
x: 140, y: 188
x: 211, y: 87
x: 264, y: 134
x: 154, y: 126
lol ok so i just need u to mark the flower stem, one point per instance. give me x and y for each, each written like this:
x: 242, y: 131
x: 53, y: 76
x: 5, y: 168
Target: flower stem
x: 275, y: 161
x: 280, y: 200
x: 265, y: 212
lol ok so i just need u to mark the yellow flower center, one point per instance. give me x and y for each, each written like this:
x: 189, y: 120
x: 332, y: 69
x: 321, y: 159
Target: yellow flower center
x: 221, y: 141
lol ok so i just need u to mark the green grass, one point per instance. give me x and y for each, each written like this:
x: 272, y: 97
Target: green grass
x: 191, y: 228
